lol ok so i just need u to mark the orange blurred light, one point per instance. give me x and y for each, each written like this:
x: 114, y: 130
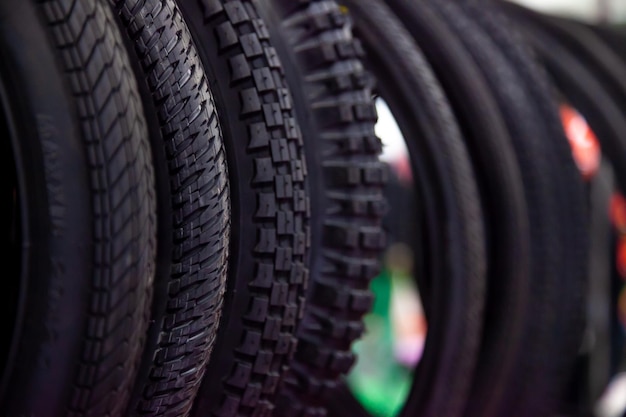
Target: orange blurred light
x: 585, y: 146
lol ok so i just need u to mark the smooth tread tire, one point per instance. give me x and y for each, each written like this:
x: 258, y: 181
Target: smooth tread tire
x: 594, y: 87
x: 193, y: 194
x: 613, y: 35
x: 85, y: 184
x: 501, y: 187
x: 557, y: 207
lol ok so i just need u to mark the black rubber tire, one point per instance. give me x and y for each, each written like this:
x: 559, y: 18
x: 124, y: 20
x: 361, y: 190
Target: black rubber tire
x: 597, y: 91
x: 86, y: 192
x: 587, y: 75
x: 347, y: 202
x: 577, y: 37
x: 613, y: 34
x: 270, y: 238
x: 194, y: 207
x: 502, y: 189
x: 455, y: 262
x: 333, y: 101
x: 594, y: 371
x: 558, y: 218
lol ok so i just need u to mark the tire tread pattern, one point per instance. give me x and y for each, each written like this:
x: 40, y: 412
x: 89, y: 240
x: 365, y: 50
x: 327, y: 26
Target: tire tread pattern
x: 122, y: 180
x: 275, y: 150
x: 339, y: 93
x: 200, y: 209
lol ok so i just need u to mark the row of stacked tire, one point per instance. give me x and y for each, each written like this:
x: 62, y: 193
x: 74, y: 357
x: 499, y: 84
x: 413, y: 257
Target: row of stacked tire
x: 197, y: 201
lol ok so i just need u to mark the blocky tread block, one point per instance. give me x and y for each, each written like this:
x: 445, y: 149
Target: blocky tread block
x: 199, y: 199
x: 282, y: 209
x: 329, y: 60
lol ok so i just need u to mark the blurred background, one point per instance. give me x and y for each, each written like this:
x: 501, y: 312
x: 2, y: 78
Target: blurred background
x: 590, y: 10
x: 397, y: 328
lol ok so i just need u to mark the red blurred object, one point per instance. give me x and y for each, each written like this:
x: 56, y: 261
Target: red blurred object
x: 618, y: 212
x: 585, y: 146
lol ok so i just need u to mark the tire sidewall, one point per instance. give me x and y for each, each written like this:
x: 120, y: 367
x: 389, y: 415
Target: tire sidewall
x: 55, y: 202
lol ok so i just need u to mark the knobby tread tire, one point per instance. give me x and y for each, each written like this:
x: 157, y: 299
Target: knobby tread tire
x: 453, y: 215
x: 332, y: 94
x: 115, y: 262
x: 190, y: 290
x: 269, y: 268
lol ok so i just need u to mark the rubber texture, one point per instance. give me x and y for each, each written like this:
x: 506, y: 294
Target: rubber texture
x: 194, y: 216
x: 580, y: 39
x: 493, y: 156
x: 502, y: 189
x: 270, y: 238
x: 614, y: 36
x: 332, y: 96
x: 594, y: 88
x: 86, y: 187
x: 456, y: 257
x: 557, y: 214
x: 594, y: 371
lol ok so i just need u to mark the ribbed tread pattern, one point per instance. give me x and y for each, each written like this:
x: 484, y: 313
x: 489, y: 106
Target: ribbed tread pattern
x: 122, y: 181
x: 555, y: 200
x: 545, y: 391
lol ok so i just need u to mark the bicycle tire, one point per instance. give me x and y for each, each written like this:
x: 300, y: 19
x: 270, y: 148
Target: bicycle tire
x: 501, y: 186
x: 447, y: 187
x: 534, y: 385
x: 86, y: 184
x: 270, y: 193
x: 193, y: 211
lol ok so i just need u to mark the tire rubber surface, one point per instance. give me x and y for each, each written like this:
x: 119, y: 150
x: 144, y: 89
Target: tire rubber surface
x: 194, y: 206
x: 557, y: 214
x: 332, y: 96
x: 270, y: 238
x: 87, y: 188
x: 596, y: 90
x: 456, y: 258
x: 501, y: 187
x: 593, y: 86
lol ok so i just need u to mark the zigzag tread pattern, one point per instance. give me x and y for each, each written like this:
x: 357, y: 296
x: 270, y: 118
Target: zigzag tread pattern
x: 198, y: 182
